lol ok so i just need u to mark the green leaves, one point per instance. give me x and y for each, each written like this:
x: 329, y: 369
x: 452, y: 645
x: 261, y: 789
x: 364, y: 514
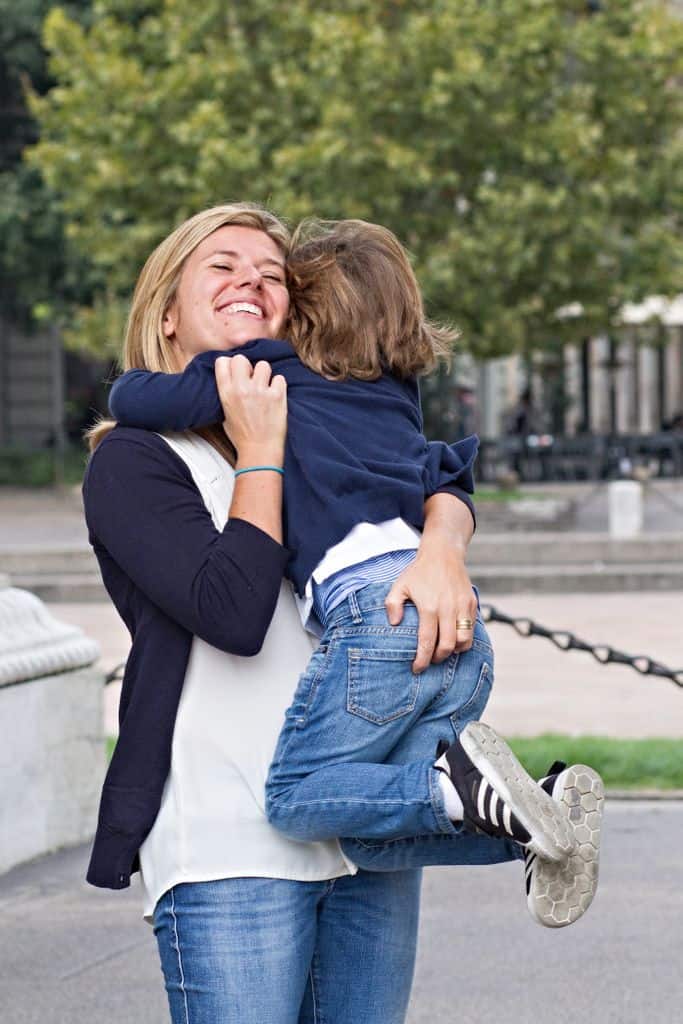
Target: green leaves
x: 529, y: 154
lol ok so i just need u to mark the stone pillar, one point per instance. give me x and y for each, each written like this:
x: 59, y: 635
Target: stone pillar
x: 674, y: 373
x: 52, y: 757
x: 647, y: 399
x: 600, y: 384
x: 625, y: 508
x: 572, y: 371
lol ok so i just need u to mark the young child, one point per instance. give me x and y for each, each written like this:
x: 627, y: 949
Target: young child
x: 352, y: 758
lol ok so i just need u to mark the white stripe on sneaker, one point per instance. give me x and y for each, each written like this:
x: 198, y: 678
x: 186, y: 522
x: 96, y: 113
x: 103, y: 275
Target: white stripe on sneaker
x: 506, y: 819
x: 493, y: 806
x: 480, y: 799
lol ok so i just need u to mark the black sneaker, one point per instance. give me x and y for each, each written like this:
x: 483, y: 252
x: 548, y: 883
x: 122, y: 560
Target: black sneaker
x: 559, y: 894
x: 500, y: 798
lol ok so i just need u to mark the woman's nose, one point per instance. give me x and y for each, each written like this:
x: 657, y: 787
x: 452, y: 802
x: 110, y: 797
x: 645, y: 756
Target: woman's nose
x: 249, y: 277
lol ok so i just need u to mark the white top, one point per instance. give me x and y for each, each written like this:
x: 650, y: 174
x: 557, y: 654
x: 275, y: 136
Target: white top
x: 211, y: 823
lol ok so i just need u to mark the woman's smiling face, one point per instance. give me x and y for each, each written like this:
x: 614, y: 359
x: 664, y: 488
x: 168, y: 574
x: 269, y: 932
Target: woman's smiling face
x: 232, y: 289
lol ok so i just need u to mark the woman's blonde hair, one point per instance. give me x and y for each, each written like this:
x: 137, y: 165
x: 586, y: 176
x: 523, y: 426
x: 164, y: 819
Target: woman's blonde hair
x: 356, y: 307
x: 145, y: 345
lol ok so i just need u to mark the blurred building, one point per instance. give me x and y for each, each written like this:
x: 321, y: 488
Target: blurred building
x: 30, y: 386
x: 630, y: 383
x: 47, y: 395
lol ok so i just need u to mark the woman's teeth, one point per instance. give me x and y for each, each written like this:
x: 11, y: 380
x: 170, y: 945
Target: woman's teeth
x: 244, y: 307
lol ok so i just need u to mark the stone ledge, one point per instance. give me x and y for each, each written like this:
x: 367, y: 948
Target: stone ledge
x: 33, y: 643
x: 52, y: 763
x: 52, y: 753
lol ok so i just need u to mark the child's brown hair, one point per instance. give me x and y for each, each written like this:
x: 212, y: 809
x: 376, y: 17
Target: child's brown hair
x: 356, y: 307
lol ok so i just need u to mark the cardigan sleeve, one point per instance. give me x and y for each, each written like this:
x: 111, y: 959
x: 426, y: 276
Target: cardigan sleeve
x: 144, y: 509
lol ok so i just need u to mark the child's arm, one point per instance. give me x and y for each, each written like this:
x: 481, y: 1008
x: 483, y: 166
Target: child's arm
x: 168, y: 401
x: 183, y: 401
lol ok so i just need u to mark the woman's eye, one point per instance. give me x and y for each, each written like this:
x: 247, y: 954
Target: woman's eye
x: 222, y: 266
x: 274, y: 277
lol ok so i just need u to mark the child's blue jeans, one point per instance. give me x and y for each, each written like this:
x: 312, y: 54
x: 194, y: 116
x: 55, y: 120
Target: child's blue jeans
x: 356, y: 753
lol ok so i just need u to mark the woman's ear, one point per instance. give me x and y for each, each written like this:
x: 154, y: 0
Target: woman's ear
x: 170, y: 321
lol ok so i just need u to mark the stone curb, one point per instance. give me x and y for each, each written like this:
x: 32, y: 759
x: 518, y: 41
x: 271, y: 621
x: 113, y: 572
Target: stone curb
x: 644, y: 794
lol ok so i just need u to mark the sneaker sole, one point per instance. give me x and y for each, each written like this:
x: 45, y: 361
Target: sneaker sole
x: 561, y: 893
x: 552, y: 837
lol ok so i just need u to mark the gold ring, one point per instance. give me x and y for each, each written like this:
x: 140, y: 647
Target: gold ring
x: 464, y: 623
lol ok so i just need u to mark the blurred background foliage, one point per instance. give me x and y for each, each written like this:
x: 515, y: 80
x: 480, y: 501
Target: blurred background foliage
x: 39, y: 271
x: 529, y: 153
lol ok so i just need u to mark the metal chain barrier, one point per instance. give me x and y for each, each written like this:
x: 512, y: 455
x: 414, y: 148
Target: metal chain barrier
x: 563, y: 640
x: 566, y: 641
x: 116, y: 674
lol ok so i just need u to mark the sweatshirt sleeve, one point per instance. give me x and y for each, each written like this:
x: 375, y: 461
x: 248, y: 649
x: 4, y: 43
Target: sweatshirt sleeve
x: 144, y: 509
x: 448, y: 464
x: 448, y: 468
x: 168, y: 401
x: 182, y: 401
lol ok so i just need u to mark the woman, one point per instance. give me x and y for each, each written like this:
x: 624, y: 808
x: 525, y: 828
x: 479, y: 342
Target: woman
x: 250, y: 925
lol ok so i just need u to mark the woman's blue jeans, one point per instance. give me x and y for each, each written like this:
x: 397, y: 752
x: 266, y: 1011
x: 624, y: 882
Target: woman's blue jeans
x: 355, y: 756
x: 268, y: 951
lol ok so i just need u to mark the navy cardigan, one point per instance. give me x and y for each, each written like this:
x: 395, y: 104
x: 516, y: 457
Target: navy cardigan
x: 355, y: 449
x: 171, y: 575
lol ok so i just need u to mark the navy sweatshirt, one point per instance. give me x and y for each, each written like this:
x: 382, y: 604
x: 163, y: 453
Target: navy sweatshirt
x: 171, y: 575
x: 355, y: 449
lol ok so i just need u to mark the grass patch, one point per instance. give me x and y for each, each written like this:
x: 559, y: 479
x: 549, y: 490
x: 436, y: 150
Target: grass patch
x: 20, y: 467
x: 623, y: 764
x: 500, y: 494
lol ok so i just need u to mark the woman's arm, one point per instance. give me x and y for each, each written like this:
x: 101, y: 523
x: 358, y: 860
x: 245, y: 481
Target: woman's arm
x: 437, y: 582
x: 145, y: 513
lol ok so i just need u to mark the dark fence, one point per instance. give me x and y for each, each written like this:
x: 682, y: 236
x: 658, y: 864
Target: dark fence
x: 582, y: 457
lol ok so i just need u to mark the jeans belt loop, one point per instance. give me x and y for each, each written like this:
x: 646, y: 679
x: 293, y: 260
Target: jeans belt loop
x: 356, y: 614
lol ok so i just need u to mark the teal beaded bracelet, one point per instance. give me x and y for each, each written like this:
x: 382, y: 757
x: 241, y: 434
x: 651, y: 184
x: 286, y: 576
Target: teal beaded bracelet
x: 255, y: 469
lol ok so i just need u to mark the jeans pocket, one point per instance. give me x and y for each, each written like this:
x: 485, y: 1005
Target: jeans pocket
x: 381, y: 685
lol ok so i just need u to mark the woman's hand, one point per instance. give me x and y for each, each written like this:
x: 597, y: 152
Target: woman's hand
x: 255, y: 409
x: 438, y: 583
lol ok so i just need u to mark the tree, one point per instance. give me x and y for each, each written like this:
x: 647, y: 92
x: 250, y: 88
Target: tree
x: 35, y: 262
x: 529, y: 152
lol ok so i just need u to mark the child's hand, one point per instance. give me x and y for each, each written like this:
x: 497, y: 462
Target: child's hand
x: 255, y: 409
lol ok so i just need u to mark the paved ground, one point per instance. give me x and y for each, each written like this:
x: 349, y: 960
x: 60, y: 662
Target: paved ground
x: 70, y: 954
x: 538, y: 688
x: 44, y: 516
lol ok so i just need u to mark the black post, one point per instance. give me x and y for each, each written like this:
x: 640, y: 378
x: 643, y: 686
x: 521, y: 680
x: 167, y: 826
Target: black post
x: 586, y: 385
x: 613, y: 366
